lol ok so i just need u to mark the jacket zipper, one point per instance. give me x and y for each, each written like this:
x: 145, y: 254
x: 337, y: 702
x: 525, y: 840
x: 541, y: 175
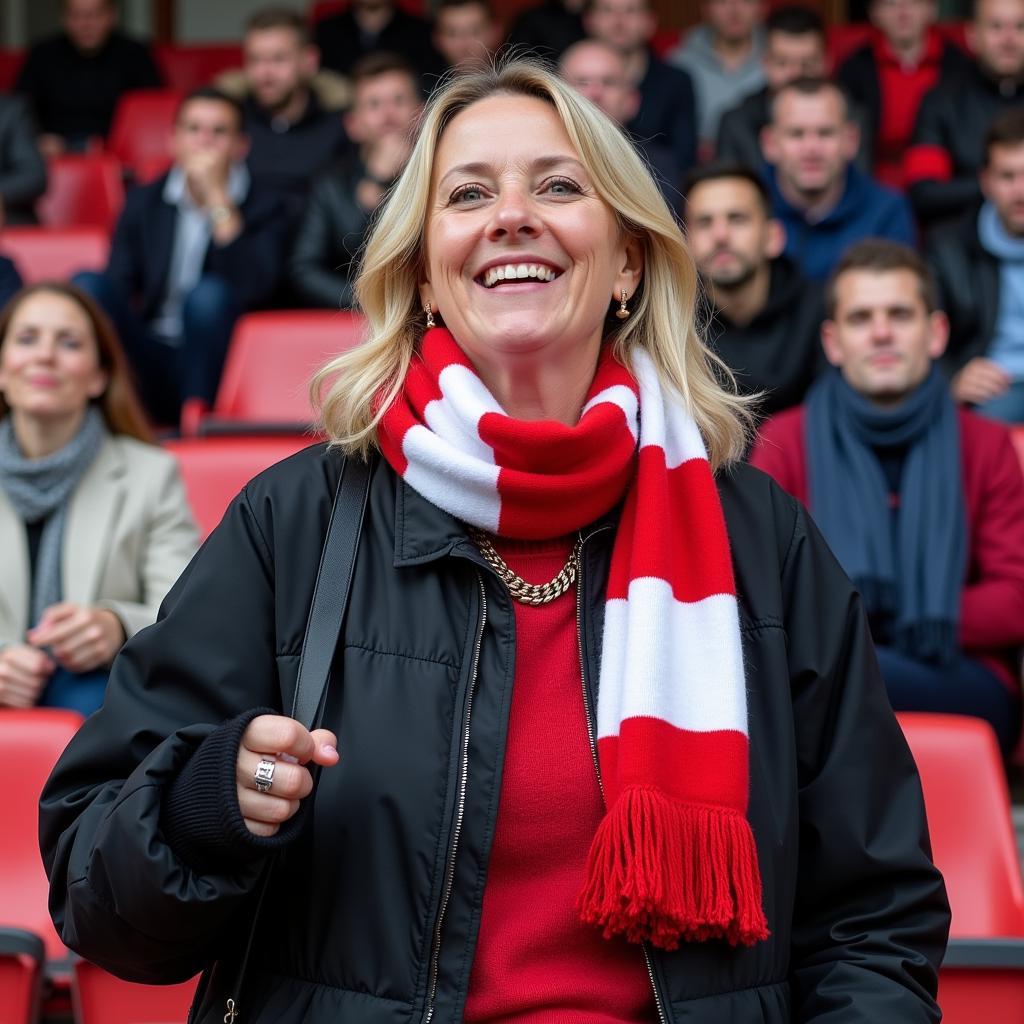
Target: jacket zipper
x: 435, y: 958
x: 663, y: 1019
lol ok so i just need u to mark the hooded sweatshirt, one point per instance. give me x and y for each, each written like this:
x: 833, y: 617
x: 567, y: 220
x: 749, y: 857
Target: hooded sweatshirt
x: 716, y: 87
x: 779, y: 351
x: 865, y: 210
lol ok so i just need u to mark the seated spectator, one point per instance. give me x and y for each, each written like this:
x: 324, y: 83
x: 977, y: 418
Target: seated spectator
x: 598, y: 71
x: 794, y: 47
x: 979, y: 267
x: 764, y: 318
x: 10, y: 280
x: 548, y: 29
x: 824, y: 201
x: 94, y: 523
x: 368, y: 26
x: 947, y: 145
x: 386, y: 100
x: 191, y: 252
x: 22, y: 168
x: 291, y: 135
x: 922, y: 504
x: 889, y: 75
x: 465, y: 32
x: 723, y: 57
x: 667, y: 112
x: 74, y: 79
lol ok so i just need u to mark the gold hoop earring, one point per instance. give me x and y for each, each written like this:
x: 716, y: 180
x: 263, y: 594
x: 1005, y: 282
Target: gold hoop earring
x: 622, y: 312
x: 430, y: 316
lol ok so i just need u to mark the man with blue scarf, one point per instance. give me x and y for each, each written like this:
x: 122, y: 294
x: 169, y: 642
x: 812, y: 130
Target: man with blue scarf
x: 921, y: 502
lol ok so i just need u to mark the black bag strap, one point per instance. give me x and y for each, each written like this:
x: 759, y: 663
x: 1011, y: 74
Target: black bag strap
x: 331, y: 592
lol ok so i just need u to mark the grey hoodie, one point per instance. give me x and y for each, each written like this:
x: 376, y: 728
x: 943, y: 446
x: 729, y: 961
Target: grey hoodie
x: 717, y: 88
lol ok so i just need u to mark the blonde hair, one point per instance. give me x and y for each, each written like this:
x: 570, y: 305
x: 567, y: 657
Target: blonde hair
x: 354, y: 390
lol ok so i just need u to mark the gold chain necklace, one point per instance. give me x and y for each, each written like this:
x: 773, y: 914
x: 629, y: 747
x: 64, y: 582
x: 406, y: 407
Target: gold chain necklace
x: 528, y: 593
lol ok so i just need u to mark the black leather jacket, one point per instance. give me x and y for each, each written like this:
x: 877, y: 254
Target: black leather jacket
x: 373, y: 908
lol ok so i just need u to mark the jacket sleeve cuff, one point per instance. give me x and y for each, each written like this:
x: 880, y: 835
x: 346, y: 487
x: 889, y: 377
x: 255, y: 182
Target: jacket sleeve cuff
x: 201, y: 818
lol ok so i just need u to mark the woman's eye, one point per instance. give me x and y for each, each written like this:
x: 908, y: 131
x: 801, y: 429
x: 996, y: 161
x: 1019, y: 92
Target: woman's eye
x: 467, y: 194
x: 563, y: 186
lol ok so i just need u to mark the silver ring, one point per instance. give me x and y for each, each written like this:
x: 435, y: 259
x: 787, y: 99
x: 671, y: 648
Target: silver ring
x: 264, y: 775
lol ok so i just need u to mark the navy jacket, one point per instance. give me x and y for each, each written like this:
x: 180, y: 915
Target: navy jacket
x: 668, y: 113
x: 10, y: 280
x: 140, y: 253
x: 866, y: 210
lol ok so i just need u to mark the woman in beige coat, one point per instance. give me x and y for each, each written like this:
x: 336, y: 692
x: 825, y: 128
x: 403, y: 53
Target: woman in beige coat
x: 94, y: 522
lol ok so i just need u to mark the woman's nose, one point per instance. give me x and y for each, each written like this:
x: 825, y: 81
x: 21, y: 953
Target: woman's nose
x: 513, y: 215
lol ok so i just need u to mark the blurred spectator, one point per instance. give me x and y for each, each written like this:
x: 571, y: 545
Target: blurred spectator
x: 764, y: 317
x: 386, y: 100
x: 75, y: 78
x: 794, y: 47
x: 94, y: 523
x: 723, y: 57
x: 979, y: 267
x: 22, y: 168
x: 922, y: 504
x: 291, y: 135
x: 889, y: 76
x: 824, y: 201
x: 598, y: 71
x: 548, y: 29
x: 465, y: 31
x: 191, y: 252
x: 947, y: 147
x: 10, y: 280
x: 667, y: 114
x: 368, y: 26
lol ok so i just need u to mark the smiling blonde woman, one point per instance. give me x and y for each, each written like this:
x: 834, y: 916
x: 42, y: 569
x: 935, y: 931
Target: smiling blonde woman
x: 592, y: 750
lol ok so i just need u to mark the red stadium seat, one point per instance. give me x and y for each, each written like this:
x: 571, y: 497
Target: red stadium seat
x: 21, y: 976
x: 188, y: 67
x: 215, y: 469
x: 665, y: 41
x: 973, y: 842
x: 55, y: 253
x: 33, y: 740
x: 140, y: 136
x: 265, y: 384
x: 100, y: 998
x: 1017, y: 435
x: 82, y: 190
x: 10, y: 65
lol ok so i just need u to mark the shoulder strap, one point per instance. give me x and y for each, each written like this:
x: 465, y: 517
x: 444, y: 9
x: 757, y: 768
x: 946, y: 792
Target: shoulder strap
x: 331, y: 592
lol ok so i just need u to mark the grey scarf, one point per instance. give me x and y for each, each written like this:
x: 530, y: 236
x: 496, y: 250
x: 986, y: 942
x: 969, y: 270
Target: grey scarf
x: 40, y: 488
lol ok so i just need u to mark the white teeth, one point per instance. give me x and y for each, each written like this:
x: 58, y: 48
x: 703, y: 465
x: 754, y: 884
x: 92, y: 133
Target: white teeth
x: 517, y: 272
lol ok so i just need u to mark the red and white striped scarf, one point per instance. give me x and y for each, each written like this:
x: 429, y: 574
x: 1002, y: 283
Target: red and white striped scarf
x: 674, y: 857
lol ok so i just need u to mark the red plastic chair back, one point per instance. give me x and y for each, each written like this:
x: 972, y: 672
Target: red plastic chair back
x: 10, y: 65
x: 100, y: 998
x: 188, y: 67
x: 43, y: 254
x: 664, y: 41
x: 82, y: 190
x: 140, y: 135
x: 33, y: 740
x: 271, y: 359
x: 215, y: 469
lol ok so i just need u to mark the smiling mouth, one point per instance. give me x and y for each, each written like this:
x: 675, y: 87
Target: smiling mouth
x: 512, y: 272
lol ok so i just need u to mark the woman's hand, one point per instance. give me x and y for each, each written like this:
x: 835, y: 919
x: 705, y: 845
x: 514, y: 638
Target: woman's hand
x: 291, y: 746
x: 81, y: 638
x: 24, y: 672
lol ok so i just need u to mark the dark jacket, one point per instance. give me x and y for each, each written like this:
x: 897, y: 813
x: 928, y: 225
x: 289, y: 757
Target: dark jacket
x: 22, y: 168
x: 546, y: 30
x: 779, y: 351
x: 140, y: 253
x: 865, y: 210
x: 10, y: 280
x: 947, y: 147
x: 376, y: 897
x: 74, y: 94
x: 321, y: 268
x: 668, y: 113
x: 967, y: 276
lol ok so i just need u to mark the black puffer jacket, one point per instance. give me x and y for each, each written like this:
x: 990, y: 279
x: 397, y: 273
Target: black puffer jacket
x: 358, y: 925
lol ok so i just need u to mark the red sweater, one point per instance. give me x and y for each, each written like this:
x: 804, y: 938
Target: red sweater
x: 536, y: 963
x: 992, y: 602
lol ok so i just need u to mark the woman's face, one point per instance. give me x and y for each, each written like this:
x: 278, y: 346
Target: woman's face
x: 49, y: 359
x: 522, y: 256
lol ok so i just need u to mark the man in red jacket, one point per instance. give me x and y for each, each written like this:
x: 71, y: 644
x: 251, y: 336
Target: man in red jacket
x: 921, y: 502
